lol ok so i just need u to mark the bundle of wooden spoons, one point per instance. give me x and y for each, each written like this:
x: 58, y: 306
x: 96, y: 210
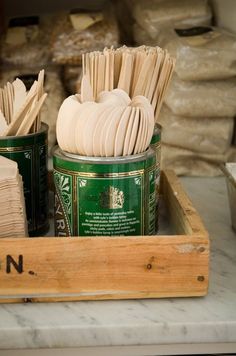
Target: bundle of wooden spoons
x: 19, y: 109
x: 138, y: 71
x: 112, y: 126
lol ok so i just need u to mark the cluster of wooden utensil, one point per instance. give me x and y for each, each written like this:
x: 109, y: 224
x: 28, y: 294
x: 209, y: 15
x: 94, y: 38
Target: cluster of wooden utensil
x: 138, y: 71
x: 103, y: 121
x: 19, y: 109
x: 12, y: 215
x: 115, y: 125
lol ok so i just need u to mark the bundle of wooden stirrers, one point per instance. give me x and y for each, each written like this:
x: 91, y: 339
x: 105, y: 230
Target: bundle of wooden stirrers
x: 138, y: 71
x: 19, y: 109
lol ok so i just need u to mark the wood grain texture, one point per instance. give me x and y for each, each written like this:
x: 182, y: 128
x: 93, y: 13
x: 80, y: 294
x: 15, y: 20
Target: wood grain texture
x: 93, y: 268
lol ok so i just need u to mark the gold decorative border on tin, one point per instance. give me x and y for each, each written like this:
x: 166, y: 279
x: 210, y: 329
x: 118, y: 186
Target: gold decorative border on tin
x: 101, y: 175
x: 152, y: 168
x: 15, y: 149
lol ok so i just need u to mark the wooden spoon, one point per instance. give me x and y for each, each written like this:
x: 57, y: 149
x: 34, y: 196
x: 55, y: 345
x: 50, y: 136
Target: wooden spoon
x: 129, y: 132
x: 113, y: 111
x: 102, y: 117
x: 121, y: 131
x: 112, y: 130
x: 134, y: 132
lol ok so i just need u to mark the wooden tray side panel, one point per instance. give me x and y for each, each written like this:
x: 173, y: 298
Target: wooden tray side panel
x: 183, y: 215
x: 93, y: 268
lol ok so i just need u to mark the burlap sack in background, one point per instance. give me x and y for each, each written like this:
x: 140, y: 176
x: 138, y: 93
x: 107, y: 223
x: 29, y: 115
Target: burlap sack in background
x: 202, y: 98
x: 52, y: 86
x: 71, y: 38
x: 27, y: 45
x: 202, y: 53
x: 189, y: 163
x: 141, y: 37
x: 153, y: 15
x: 209, y: 135
x: 71, y: 77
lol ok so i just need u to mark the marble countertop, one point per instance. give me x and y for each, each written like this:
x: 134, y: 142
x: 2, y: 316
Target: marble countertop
x: 210, y: 319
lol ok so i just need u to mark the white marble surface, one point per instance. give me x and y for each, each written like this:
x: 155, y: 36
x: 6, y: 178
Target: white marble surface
x: 211, y: 319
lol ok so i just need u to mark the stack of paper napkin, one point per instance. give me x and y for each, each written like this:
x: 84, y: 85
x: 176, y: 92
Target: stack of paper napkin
x: 13, y: 221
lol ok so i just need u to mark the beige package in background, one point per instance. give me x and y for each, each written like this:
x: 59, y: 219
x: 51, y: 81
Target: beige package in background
x: 52, y: 85
x: 186, y: 162
x: 202, y: 53
x: 209, y: 135
x: 26, y: 41
x: 153, y: 15
x: 82, y: 31
x: 202, y: 98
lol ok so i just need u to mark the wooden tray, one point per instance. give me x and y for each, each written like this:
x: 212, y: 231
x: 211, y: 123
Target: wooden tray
x: 85, y: 268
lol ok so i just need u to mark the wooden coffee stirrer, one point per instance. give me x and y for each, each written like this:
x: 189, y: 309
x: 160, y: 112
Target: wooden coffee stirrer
x: 91, y: 71
x: 101, y: 73
x: 10, y: 98
x: 150, y: 73
x: 170, y: 70
x: 142, y: 78
x: 1, y: 100
x: 107, y: 70
x: 111, y: 69
x: 5, y: 100
x: 126, y: 72
x: 155, y: 76
x: 117, y: 67
x: 160, y: 81
x: 95, y: 68
x: 30, y: 117
x: 86, y: 90
x: 139, y: 57
x: 40, y: 82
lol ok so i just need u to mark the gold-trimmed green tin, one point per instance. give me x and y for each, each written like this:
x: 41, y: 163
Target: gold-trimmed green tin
x: 113, y: 196
x: 30, y: 152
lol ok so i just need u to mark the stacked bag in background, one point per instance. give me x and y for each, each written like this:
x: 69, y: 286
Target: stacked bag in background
x: 150, y: 17
x: 197, y: 117
x: 203, y: 91
x: 25, y: 50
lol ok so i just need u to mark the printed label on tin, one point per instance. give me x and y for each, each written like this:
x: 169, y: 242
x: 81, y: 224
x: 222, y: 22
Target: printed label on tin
x: 110, y: 206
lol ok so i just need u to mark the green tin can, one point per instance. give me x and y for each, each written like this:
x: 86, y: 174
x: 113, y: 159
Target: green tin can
x: 97, y: 196
x: 30, y: 152
x: 156, y: 143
